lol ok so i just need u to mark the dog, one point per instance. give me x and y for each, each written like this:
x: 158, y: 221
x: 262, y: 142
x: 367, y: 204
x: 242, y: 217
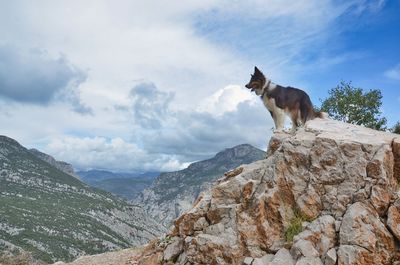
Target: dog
x: 282, y: 101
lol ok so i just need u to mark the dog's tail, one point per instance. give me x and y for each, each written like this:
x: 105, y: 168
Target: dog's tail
x: 321, y: 115
x: 308, y: 112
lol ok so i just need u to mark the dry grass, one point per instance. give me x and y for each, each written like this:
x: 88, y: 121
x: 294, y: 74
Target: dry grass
x: 23, y: 258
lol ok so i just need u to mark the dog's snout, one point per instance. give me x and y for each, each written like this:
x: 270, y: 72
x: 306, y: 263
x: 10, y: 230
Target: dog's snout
x: 248, y: 86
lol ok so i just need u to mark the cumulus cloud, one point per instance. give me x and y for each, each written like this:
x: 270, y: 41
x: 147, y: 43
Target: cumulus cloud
x: 34, y: 77
x: 393, y: 73
x: 111, y: 154
x: 166, y: 139
x: 197, y: 133
x: 149, y: 105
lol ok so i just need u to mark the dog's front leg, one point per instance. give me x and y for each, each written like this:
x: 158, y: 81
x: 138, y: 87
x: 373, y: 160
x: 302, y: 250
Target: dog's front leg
x: 279, y: 119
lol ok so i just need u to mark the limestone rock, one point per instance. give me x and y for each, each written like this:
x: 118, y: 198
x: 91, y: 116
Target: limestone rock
x: 309, y: 261
x: 265, y: 260
x: 393, y: 220
x: 318, y: 237
x: 173, y: 250
x: 283, y: 257
x: 248, y: 261
x: 362, y: 228
x: 338, y: 177
x: 331, y: 257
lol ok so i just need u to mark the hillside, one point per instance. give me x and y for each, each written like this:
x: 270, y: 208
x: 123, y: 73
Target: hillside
x: 328, y: 195
x: 57, y: 217
x: 124, y: 185
x: 173, y: 193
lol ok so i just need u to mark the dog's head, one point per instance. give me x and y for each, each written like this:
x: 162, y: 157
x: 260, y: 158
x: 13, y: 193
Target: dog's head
x: 257, y: 81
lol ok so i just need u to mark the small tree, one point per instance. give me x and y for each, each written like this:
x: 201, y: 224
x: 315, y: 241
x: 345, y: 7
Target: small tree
x: 396, y: 128
x: 350, y: 104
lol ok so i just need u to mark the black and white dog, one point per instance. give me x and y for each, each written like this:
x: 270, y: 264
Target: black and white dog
x: 282, y: 101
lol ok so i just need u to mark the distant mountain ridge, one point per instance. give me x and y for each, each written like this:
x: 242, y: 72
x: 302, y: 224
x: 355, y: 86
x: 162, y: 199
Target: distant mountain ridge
x: 125, y: 185
x: 57, y: 217
x: 173, y: 193
x: 61, y: 165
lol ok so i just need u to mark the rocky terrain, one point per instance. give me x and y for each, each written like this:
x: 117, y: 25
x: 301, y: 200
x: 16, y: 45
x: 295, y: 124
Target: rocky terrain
x: 173, y: 193
x: 57, y: 217
x: 327, y: 195
x: 60, y: 165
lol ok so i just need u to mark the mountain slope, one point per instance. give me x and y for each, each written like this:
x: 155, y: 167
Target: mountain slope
x: 56, y: 216
x: 174, y: 192
x: 61, y: 165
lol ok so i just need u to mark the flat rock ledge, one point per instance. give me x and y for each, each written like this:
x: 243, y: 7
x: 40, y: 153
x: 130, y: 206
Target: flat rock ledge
x: 326, y: 195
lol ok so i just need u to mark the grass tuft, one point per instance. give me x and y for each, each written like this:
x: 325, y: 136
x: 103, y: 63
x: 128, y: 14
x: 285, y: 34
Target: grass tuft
x: 295, y: 226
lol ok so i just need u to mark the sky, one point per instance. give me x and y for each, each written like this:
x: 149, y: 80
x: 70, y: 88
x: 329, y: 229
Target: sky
x: 155, y: 85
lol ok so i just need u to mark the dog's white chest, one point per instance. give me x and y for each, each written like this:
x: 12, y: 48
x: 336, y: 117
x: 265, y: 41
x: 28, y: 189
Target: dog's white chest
x: 270, y: 103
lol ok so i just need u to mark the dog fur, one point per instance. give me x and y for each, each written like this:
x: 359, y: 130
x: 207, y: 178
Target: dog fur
x: 282, y: 101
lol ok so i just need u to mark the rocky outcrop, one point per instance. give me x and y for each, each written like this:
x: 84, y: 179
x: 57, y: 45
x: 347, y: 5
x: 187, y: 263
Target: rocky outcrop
x: 334, y: 184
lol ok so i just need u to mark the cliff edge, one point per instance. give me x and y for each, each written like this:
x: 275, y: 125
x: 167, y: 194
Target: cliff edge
x: 326, y: 195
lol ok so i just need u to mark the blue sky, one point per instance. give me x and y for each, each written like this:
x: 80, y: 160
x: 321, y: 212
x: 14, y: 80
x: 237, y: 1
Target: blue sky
x: 149, y: 85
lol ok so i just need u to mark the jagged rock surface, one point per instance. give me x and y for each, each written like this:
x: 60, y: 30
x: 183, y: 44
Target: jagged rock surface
x: 173, y: 193
x: 340, y: 177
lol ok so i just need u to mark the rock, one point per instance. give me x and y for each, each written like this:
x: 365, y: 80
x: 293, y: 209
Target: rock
x: 200, y: 224
x: 265, y: 260
x: 316, y: 239
x: 362, y: 228
x: 282, y: 257
x: 338, y: 179
x: 248, y: 261
x: 337, y: 225
x: 393, y: 220
x: 355, y: 255
x: 396, y: 154
x: 309, y: 204
x: 303, y: 248
x: 380, y: 199
x: 309, y: 261
x: 173, y: 250
x: 330, y: 257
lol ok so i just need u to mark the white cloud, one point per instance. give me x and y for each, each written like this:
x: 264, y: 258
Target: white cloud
x: 167, y: 139
x: 393, y: 73
x: 225, y: 100
x: 112, y: 154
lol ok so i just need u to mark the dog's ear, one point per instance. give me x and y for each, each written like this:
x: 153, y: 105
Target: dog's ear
x: 256, y: 70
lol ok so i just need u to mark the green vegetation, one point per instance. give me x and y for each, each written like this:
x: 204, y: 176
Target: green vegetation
x: 350, y: 104
x: 51, y: 214
x: 396, y: 128
x: 296, y: 226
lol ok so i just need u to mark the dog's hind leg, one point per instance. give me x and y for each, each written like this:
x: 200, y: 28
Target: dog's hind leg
x: 295, y: 122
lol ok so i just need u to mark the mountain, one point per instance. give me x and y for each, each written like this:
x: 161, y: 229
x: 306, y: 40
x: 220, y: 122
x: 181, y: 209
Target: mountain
x: 124, y: 185
x: 56, y: 216
x: 60, y: 165
x: 174, y: 192
x: 327, y: 195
